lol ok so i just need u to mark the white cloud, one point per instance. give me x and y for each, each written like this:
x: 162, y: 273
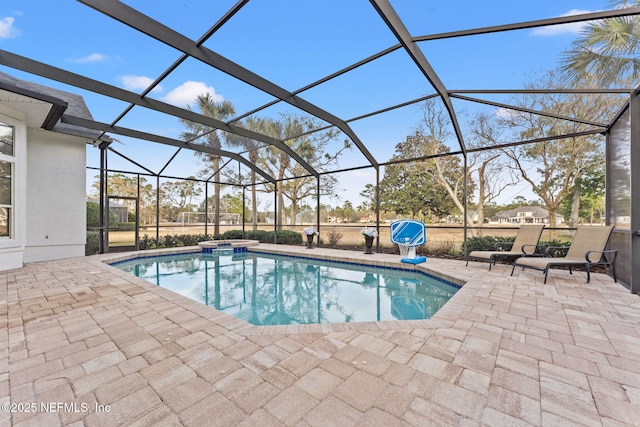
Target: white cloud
x: 131, y: 82
x: 188, y: 91
x: 94, y: 57
x: 572, y: 28
x: 505, y: 113
x: 7, y: 30
x: 363, y: 173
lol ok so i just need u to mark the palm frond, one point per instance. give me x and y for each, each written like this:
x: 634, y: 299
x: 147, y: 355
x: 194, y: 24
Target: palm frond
x: 606, y: 51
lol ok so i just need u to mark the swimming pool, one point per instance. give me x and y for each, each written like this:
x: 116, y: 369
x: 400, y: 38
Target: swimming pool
x: 267, y: 289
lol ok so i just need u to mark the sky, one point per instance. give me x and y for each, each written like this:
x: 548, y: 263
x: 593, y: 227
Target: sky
x: 301, y: 43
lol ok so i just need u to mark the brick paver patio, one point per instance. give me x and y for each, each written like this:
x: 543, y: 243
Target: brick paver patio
x: 83, y: 343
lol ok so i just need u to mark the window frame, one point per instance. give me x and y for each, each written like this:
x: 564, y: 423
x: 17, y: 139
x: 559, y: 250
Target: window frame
x: 17, y: 205
x: 9, y: 159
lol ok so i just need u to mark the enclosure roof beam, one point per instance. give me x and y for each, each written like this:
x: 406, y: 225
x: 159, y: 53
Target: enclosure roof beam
x: 528, y: 110
x: 592, y: 16
x: 496, y: 146
x: 323, y: 80
x: 395, y: 24
x: 78, y: 121
x: 538, y: 140
x: 484, y: 30
x: 373, y: 113
x: 235, y: 9
x: 146, y: 25
x: 38, y: 68
x: 624, y: 91
x: 130, y: 160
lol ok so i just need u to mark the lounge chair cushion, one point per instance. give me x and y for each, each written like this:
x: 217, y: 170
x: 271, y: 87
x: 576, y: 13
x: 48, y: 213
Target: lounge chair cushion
x: 489, y: 254
x: 542, y: 262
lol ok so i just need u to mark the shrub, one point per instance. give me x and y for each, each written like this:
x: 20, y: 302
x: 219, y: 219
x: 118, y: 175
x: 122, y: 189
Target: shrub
x: 285, y: 237
x: 93, y: 216
x: 288, y: 237
x: 334, y: 237
x: 124, y: 226
x: 93, y: 243
x: 441, y: 247
x: 170, y: 241
x: 556, y: 251
x: 146, y: 242
x: 231, y: 234
x: 262, y: 236
x: 485, y: 243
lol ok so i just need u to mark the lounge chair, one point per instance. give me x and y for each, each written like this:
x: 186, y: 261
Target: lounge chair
x: 525, y: 244
x: 586, y: 249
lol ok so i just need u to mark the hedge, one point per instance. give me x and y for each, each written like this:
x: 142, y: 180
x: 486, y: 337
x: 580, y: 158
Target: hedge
x: 285, y: 237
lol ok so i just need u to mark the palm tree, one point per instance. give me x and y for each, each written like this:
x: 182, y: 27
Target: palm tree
x: 293, y: 130
x: 281, y: 161
x: 274, y: 161
x: 251, y: 146
x: 608, y: 50
x: 211, y: 138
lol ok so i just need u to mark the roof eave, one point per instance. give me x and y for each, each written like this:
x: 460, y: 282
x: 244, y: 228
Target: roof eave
x: 58, y: 106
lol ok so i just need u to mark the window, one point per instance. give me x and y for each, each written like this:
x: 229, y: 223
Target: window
x: 5, y: 199
x: 7, y: 138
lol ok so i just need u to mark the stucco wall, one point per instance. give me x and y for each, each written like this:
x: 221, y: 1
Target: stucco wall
x: 56, y: 196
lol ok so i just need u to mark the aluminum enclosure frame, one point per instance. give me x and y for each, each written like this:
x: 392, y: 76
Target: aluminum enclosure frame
x: 407, y: 43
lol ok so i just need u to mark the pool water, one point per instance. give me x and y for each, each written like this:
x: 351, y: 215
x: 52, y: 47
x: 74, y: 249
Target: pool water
x: 266, y: 289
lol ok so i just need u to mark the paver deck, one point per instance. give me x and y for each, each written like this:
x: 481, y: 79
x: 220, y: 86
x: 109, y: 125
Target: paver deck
x: 83, y: 343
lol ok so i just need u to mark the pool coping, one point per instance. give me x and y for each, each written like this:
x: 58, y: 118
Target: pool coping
x: 443, y: 317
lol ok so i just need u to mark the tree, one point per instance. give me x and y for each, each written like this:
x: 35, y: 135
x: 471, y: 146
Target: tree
x: 410, y: 188
x: 586, y: 201
x: 232, y: 203
x: 211, y: 138
x: 520, y: 201
x: 552, y: 168
x: 252, y: 147
x: 293, y: 181
x: 434, y: 130
x: 433, y: 185
x: 488, y: 166
x: 177, y: 196
x: 93, y: 216
x: 347, y: 211
x: 127, y: 186
x: 417, y: 187
x: 607, y: 50
x: 370, y: 197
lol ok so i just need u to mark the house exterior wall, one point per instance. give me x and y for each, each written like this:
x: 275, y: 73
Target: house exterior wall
x: 56, y: 196
x: 523, y: 220
x: 524, y: 216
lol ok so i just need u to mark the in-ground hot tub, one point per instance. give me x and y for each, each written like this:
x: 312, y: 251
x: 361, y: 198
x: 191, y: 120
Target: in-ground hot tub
x: 238, y: 245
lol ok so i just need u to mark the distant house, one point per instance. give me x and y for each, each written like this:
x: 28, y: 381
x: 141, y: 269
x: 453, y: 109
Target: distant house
x: 472, y: 215
x: 524, y: 215
x: 121, y: 211
x: 42, y: 173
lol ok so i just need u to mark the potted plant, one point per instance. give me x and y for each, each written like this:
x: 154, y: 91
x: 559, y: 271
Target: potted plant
x: 369, y: 234
x: 310, y: 232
